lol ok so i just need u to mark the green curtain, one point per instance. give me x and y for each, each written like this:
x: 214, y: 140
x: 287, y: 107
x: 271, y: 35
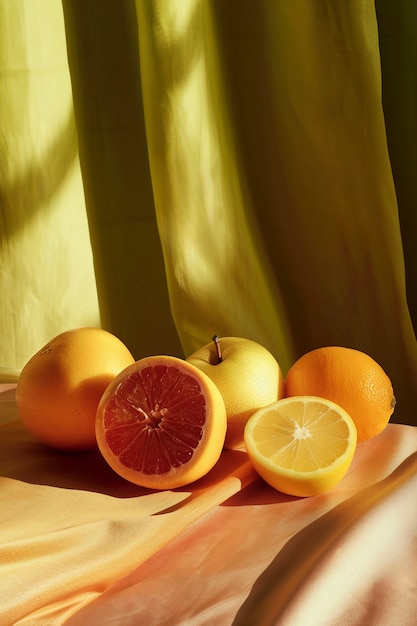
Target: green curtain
x: 175, y: 168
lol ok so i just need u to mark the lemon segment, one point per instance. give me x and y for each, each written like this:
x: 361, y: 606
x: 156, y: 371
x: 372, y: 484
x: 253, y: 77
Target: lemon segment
x: 302, y: 446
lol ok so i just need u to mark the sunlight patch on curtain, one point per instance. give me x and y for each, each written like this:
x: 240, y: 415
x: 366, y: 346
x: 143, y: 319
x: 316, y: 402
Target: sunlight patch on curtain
x: 217, y: 274
x: 47, y: 282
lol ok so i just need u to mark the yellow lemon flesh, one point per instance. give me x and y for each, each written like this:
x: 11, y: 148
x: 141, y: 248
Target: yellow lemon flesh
x: 302, y: 446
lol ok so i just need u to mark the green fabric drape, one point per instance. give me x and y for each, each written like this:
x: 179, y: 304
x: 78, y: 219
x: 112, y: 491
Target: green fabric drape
x: 108, y: 104
x: 47, y: 281
x: 247, y: 169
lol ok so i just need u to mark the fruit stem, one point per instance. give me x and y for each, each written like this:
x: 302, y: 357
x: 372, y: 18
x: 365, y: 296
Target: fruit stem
x: 216, y: 340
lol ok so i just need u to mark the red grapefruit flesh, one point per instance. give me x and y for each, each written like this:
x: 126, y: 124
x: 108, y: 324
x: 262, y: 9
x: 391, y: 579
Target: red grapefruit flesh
x: 161, y: 423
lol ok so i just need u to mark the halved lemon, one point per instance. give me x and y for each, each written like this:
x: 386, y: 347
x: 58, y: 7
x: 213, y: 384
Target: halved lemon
x: 301, y: 446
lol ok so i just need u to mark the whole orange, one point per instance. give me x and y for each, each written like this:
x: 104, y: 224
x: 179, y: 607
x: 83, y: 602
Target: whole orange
x: 352, y: 379
x: 60, y: 387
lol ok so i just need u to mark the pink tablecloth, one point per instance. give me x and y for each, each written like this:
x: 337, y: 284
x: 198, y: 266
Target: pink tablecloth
x: 79, y: 546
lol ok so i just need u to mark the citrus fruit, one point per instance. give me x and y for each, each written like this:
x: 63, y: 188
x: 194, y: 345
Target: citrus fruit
x: 302, y: 446
x: 161, y: 423
x: 350, y: 378
x: 59, y: 388
x: 247, y: 375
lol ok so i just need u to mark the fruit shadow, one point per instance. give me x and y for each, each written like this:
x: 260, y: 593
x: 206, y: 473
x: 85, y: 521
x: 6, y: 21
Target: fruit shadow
x: 233, y: 471
x: 259, y: 493
x: 24, y: 458
x: 231, y: 482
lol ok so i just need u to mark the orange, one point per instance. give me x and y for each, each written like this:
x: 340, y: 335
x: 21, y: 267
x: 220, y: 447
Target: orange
x: 59, y: 388
x: 161, y: 423
x: 350, y: 378
x: 302, y: 446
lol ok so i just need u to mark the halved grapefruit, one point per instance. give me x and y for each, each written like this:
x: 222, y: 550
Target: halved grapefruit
x: 161, y: 423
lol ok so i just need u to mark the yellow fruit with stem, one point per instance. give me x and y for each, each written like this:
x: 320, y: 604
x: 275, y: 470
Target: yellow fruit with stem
x: 247, y: 375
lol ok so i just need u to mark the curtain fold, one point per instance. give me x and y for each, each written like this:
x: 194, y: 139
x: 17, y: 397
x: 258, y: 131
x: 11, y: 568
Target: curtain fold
x: 46, y: 276
x: 218, y: 273
x: 397, y: 26
x: 106, y: 80
x: 247, y: 169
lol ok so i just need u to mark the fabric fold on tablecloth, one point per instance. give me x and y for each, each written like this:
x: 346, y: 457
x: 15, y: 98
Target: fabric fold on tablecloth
x: 61, y: 546
x: 350, y: 566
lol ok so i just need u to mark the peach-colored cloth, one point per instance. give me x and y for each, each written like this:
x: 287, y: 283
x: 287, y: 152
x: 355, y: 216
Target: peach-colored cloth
x: 80, y: 546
